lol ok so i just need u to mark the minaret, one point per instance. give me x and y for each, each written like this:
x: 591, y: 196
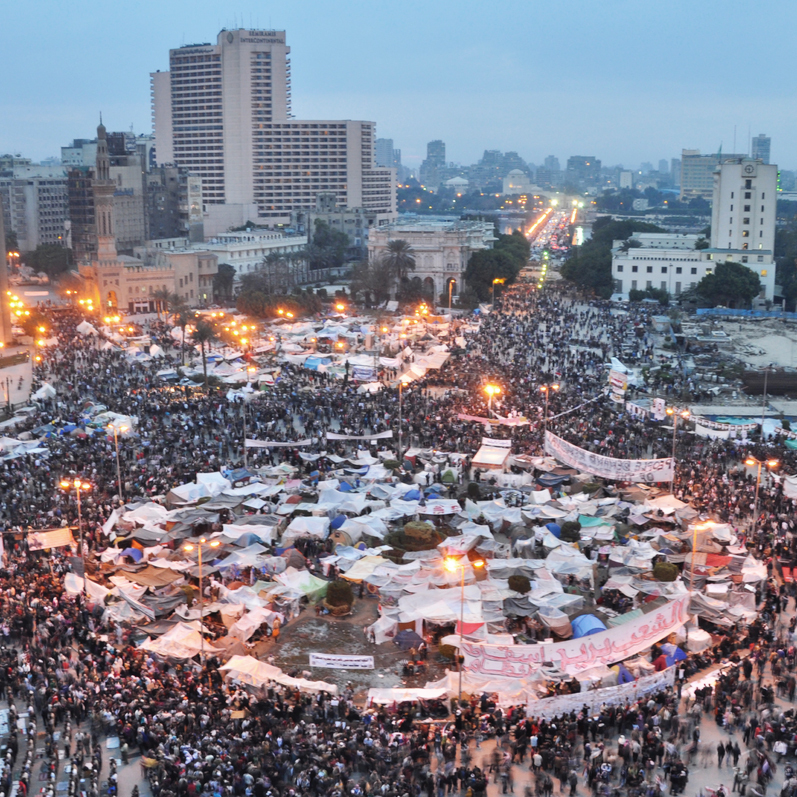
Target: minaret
x: 103, y: 189
x: 6, y: 337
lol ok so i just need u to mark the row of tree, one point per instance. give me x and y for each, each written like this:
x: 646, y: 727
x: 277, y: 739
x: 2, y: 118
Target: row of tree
x: 504, y: 261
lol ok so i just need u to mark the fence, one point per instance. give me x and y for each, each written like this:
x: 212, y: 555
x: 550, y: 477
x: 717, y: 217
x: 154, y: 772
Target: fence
x: 727, y: 312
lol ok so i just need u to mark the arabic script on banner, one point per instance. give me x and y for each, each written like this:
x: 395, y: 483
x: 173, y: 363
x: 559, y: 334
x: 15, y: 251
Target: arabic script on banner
x: 576, y: 655
x: 635, y: 470
x: 333, y: 662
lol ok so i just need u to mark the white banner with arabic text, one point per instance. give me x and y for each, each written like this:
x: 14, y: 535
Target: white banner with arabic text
x: 334, y: 662
x: 577, y: 655
x: 550, y: 707
x: 631, y: 470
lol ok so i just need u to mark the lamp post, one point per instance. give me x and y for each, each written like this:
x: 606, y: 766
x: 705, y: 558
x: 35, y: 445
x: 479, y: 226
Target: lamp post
x: 673, y: 411
x: 752, y: 462
x: 117, y: 430
x: 401, y: 424
x: 491, y: 390
x: 452, y: 565
x: 79, y: 485
x: 546, y: 389
x: 497, y: 281
x: 450, y: 290
x: 249, y: 372
x: 190, y: 547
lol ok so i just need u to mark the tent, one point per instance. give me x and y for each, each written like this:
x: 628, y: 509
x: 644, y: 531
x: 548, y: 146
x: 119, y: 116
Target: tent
x: 587, y: 624
x: 407, y: 639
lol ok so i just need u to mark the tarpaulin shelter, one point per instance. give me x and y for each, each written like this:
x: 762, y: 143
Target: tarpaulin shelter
x: 407, y: 639
x: 250, y: 671
x: 587, y: 624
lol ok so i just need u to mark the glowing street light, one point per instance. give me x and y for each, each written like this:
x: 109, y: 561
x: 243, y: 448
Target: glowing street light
x: 491, y: 390
x: 554, y: 386
x: 752, y: 462
x: 452, y: 564
x: 79, y: 485
x: 117, y: 430
x: 200, y: 543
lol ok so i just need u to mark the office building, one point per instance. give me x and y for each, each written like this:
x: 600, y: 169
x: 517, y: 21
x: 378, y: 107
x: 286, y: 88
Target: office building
x: 697, y: 173
x: 441, y: 249
x: 35, y: 204
x: 223, y: 111
x: 432, y: 169
x: 760, y: 148
x: 6, y: 336
x: 664, y: 167
x: 744, y: 202
x: 583, y: 171
x: 386, y: 156
x: 675, y: 171
x: 173, y: 204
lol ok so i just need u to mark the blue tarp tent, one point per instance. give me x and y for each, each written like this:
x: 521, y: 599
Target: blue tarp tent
x: 672, y: 653
x: 407, y: 639
x: 623, y: 676
x: 555, y: 529
x: 551, y: 480
x: 587, y: 624
x: 338, y: 521
x: 412, y: 495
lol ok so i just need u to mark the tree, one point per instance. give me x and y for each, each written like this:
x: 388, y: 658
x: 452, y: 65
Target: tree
x: 371, y: 279
x: 49, y: 258
x: 702, y: 243
x: 731, y: 284
x: 183, y: 316
x: 223, y: 281
x: 484, y: 266
x: 399, y: 260
x: 204, y: 333
x: 161, y: 298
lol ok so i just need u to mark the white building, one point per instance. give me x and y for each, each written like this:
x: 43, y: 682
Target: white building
x: 744, y: 206
x: 517, y: 182
x: 441, y: 249
x: 224, y: 112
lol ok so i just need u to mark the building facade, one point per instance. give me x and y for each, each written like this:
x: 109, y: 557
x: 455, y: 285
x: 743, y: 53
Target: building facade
x: 441, y: 249
x: 223, y: 111
x: 36, y: 206
x: 760, y: 148
x: 697, y: 173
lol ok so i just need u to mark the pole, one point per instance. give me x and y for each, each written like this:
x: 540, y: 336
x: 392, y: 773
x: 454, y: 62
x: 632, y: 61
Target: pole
x: 764, y: 402
x: 246, y: 456
x: 450, y: 291
x: 755, y: 503
x: 118, y: 466
x: 80, y: 538
x: 674, y: 429
x: 401, y: 425
x: 545, y: 420
x: 691, y: 579
x: 461, y: 624
x: 201, y: 612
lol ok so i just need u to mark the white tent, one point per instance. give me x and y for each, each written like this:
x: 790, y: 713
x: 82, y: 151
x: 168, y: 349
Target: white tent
x: 306, y: 527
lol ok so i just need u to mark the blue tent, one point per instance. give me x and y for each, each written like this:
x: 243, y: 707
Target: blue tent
x: 554, y: 529
x: 134, y: 553
x: 345, y: 487
x: 338, y: 521
x: 407, y: 639
x: 412, y: 495
x: 551, y: 479
x: 672, y: 653
x: 587, y: 624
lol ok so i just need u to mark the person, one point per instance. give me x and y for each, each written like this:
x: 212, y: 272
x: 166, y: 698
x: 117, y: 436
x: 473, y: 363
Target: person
x: 720, y: 753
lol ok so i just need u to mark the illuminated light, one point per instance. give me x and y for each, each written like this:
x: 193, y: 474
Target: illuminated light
x: 492, y: 390
x: 773, y: 463
x: 289, y: 315
x: 452, y: 565
x: 281, y: 311
x: 340, y: 307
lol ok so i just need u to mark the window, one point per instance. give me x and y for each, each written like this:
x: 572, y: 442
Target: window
x: 762, y: 208
x: 677, y: 288
x: 744, y: 258
x: 664, y: 285
x: 763, y: 272
x: 745, y: 233
x: 664, y: 269
x: 747, y: 195
x: 650, y: 269
x: 619, y: 268
x: 760, y: 258
x: 633, y: 285
x: 744, y: 246
x: 694, y: 270
x: 650, y: 284
x: 731, y: 195
x: 748, y: 184
x: 634, y: 269
x: 731, y: 208
x: 747, y: 208
x: 730, y: 220
x: 678, y: 270
x: 709, y: 271
x: 763, y: 196
x: 746, y: 220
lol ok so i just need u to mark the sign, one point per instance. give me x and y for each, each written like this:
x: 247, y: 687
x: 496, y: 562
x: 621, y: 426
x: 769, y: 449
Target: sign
x: 492, y: 442
x: 631, y: 470
x: 617, y: 380
x: 378, y: 436
x: 576, y: 655
x: 518, y: 421
x: 43, y: 540
x: 551, y: 707
x: 333, y: 662
x: 275, y: 444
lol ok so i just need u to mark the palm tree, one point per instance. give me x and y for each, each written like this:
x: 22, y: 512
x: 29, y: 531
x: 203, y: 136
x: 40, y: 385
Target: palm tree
x: 399, y: 260
x: 204, y: 332
x: 161, y: 297
x: 183, y: 316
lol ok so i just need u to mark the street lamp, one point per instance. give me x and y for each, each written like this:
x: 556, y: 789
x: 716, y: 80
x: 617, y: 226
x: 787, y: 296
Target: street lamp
x: 198, y: 545
x: 401, y: 423
x: 752, y: 462
x: 452, y: 565
x: 79, y: 485
x: 491, y: 390
x: 675, y: 413
x: 450, y: 290
x: 249, y: 371
x: 117, y: 430
x: 497, y: 281
x: 546, y: 389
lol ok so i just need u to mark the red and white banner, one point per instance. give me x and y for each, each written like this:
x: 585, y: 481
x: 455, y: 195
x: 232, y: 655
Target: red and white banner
x: 577, y: 655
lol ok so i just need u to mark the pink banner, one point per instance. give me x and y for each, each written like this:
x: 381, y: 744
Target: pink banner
x: 576, y: 655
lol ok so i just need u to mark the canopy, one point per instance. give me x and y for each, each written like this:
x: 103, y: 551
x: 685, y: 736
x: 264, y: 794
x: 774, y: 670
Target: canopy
x: 587, y: 624
x: 398, y: 695
x: 257, y: 673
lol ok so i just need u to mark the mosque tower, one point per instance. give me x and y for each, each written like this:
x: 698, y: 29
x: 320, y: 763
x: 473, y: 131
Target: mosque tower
x: 103, y: 189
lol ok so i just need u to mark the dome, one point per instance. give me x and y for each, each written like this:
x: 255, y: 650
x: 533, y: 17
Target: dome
x: 517, y: 173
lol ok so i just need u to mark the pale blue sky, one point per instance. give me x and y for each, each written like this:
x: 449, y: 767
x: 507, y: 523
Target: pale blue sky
x: 622, y: 80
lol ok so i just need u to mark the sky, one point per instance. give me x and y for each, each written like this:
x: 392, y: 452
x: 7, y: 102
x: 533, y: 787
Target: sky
x: 620, y: 80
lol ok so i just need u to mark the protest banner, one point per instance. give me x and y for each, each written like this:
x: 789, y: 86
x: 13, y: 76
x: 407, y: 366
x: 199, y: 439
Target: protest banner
x: 577, y: 655
x: 630, y: 470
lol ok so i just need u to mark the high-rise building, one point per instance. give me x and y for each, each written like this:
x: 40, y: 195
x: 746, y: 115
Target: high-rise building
x: 675, y: 171
x: 583, y: 170
x: 431, y: 171
x: 761, y: 146
x: 552, y: 163
x: 6, y: 335
x: 664, y: 167
x: 384, y: 152
x: 743, y: 205
x: 697, y: 173
x: 223, y: 111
